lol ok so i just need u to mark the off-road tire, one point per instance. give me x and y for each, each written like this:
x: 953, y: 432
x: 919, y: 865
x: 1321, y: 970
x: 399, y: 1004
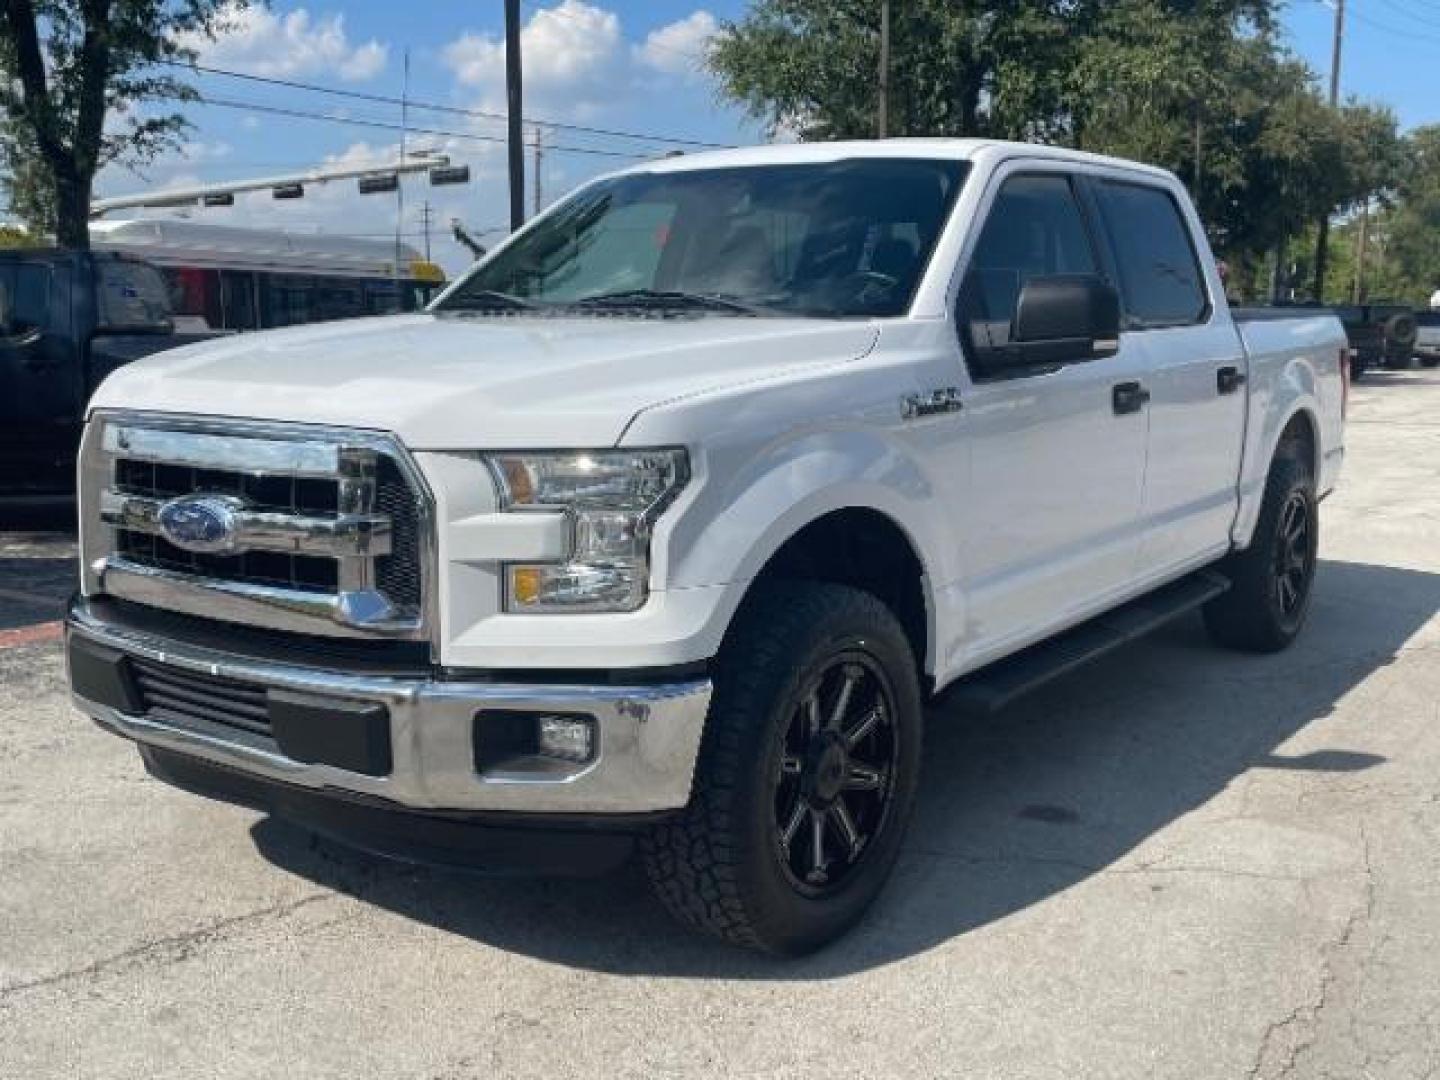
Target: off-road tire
x: 720, y: 867
x: 1252, y: 615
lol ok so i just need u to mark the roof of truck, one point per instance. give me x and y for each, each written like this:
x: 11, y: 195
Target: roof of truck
x: 911, y: 148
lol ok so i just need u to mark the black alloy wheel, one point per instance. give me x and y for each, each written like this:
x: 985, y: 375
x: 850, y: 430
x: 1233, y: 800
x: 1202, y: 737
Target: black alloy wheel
x: 1294, y: 555
x: 835, y: 781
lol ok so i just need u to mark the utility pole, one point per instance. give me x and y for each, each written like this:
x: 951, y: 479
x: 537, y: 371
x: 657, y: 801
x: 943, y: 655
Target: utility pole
x: 882, y: 119
x: 539, y: 146
x: 427, y: 215
x: 400, y: 186
x: 516, y: 137
x: 1322, y: 240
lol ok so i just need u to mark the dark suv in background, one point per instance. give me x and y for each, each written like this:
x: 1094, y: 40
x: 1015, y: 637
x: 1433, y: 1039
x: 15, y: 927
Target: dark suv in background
x: 1381, y: 335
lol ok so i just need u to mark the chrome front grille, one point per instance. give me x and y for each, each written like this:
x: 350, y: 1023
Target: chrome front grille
x: 320, y: 531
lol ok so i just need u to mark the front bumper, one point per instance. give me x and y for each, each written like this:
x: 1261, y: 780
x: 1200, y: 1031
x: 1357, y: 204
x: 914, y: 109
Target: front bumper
x: 648, y: 736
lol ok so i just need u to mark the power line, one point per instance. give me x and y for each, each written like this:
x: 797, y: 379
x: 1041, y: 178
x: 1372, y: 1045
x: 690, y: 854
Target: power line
x: 1430, y: 17
x: 302, y: 114
x: 454, y: 110
x: 1409, y: 35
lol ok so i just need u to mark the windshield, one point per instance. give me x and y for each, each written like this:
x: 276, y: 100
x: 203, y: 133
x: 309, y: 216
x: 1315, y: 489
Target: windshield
x: 845, y: 239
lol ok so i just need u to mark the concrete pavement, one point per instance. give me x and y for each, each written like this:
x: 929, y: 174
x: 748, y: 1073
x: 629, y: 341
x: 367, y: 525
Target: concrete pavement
x: 1177, y: 863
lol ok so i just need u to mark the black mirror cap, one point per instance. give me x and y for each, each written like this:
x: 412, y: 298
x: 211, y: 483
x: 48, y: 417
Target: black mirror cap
x: 1080, y: 310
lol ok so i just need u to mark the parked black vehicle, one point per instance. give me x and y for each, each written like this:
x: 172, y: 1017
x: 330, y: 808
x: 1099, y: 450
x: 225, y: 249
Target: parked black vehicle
x: 67, y: 319
x: 1381, y: 335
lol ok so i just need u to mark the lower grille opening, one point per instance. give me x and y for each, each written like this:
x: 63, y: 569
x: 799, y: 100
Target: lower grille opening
x: 169, y: 693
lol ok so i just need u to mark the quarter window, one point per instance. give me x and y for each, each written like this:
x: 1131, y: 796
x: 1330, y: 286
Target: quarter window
x: 1160, y: 278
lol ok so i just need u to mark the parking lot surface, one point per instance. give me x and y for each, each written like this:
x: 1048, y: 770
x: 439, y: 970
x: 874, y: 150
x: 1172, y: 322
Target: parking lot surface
x: 1177, y: 863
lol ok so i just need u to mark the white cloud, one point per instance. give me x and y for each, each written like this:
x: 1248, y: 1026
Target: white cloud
x: 260, y: 42
x: 680, y: 47
x: 574, y: 57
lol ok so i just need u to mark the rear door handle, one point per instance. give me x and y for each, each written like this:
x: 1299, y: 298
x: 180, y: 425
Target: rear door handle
x: 1129, y: 397
x: 1229, y: 379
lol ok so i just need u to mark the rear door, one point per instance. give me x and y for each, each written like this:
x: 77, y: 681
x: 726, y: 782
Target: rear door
x: 1195, y: 372
x: 39, y: 373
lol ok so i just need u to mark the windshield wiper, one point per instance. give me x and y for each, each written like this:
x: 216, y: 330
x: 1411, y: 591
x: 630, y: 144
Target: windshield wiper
x: 486, y: 300
x: 674, y: 299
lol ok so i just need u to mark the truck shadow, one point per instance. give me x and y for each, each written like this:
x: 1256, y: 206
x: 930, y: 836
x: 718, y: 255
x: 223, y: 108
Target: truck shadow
x: 1013, y: 810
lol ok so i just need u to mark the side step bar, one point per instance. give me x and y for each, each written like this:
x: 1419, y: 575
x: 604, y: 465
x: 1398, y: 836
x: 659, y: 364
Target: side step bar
x: 993, y: 687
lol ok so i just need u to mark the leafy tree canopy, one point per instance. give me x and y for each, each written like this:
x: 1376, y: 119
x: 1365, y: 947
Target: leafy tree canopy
x: 80, y: 82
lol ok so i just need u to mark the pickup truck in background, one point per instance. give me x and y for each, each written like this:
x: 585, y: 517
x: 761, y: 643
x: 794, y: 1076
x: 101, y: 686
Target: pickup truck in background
x: 660, y: 528
x: 67, y: 319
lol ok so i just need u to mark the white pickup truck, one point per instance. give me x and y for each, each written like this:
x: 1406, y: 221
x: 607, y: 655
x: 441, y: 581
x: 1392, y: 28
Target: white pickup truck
x: 662, y: 526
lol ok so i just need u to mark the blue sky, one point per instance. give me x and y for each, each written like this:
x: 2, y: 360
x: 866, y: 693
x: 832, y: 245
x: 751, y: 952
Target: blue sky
x: 620, y: 65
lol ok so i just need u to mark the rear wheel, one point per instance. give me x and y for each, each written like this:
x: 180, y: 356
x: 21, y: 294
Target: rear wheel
x: 1270, y: 581
x: 806, y: 776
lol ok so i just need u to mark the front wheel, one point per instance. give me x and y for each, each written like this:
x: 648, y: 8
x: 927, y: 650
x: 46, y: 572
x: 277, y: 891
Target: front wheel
x: 806, y: 776
x: 1271, y: 580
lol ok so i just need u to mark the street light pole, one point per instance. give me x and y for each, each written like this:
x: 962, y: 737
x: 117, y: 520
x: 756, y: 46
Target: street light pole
x: 515, y: 136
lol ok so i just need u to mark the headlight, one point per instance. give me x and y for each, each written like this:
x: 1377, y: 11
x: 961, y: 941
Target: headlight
x: 613, y: 498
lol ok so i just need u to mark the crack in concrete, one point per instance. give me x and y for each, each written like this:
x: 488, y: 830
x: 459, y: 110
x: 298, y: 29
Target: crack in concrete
x: 175, y: 948
x: 1310, y: 1014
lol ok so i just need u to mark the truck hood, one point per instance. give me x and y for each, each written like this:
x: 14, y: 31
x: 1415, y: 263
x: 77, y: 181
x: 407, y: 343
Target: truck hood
x: 462, y: 381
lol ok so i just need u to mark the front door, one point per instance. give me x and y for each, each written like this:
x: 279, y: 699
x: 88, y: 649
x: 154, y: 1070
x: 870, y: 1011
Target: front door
x: 39, y: 393
x: 1050, y: 525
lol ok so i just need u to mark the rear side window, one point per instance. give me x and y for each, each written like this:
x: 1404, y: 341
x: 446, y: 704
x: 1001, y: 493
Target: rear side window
x: 1160, y: 277
x: 31, y: 307
x: 1035, y: 229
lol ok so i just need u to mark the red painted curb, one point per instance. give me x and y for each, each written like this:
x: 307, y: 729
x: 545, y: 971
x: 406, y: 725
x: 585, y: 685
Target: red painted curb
x: 29, y: 635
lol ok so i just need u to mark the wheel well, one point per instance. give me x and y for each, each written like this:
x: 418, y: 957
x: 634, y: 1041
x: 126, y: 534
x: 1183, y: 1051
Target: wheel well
x: 1299, y: 439
x: 866, y: 550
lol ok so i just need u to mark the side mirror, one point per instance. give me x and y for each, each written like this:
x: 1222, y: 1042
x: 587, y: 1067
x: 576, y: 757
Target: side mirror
x: 1059, y: 319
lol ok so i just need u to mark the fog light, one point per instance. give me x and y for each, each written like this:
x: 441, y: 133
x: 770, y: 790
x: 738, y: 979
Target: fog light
x: 569, y: 738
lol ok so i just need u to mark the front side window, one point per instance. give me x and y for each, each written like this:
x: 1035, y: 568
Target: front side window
x: 1160, y: 279
x: 1035, y: 229
x: 845, y: 239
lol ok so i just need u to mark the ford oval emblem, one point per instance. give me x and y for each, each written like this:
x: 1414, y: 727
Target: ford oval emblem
x: 200, y: 523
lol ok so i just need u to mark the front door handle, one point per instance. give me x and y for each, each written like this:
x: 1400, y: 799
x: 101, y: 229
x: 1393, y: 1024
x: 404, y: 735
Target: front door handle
x: 1129, y: 397
x: 1229, y: 379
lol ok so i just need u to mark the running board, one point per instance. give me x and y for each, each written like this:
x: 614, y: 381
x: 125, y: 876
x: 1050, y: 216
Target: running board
x: 993, y: 687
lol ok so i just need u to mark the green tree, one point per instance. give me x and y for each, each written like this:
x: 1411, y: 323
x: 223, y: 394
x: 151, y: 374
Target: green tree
x: 1410, y: 232
x: 11, y: 237
x: 77, y: 78
x: 1202, y: 87
x: 957, y: 68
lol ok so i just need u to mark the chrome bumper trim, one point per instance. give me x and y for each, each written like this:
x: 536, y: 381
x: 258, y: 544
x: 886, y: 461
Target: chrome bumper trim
x: 649, y: 735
